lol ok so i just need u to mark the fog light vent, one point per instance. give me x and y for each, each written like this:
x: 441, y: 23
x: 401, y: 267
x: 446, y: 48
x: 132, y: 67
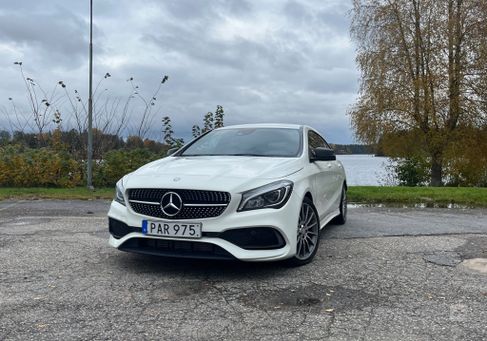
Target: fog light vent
x: 254, y: 238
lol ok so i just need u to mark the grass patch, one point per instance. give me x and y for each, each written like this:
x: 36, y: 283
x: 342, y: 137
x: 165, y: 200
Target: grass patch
x: 468, y: 196
x: 56, y: 193
x: 474, y: 197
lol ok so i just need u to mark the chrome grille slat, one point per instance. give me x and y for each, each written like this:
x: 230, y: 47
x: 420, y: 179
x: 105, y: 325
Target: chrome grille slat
x: 145, y: 202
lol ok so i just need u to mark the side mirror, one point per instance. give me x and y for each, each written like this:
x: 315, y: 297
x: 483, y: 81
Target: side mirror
x: 322, y: 154
x: 172, y: 151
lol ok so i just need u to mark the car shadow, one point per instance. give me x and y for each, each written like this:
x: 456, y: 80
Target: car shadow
x: 141, y: 263
x: 228, y: 269
x: 329, y: 230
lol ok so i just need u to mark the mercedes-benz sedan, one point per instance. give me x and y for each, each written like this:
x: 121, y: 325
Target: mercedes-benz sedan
x: 258, y: 192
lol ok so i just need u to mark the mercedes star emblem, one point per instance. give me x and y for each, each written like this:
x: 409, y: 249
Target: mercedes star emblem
x: 171, y: 204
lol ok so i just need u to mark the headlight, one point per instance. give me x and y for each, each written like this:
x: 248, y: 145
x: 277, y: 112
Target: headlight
x: 273, y: 195
x: 119, y: 190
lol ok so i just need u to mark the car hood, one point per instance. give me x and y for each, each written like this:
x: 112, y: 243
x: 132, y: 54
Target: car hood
x: 212, y: 172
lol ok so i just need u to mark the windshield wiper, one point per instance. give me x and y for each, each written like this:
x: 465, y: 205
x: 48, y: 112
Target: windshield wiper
x: 244, y: 154
x: 198, y: 155
x: 236, y: 154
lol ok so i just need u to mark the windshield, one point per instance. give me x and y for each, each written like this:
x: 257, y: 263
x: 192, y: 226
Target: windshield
x: 270, y: 142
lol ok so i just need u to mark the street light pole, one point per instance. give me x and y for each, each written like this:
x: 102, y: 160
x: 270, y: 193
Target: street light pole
x: 89, y: 177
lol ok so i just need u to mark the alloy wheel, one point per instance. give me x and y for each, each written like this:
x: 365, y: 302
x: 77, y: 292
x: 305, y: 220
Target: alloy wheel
x: 308, y: 232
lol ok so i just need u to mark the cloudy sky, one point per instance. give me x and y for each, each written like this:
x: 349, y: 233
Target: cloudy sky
x: 262, y: 60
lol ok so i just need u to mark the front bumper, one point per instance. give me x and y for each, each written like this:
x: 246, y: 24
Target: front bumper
x: 213, y: 243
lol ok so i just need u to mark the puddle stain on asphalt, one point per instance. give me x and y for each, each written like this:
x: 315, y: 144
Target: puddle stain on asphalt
x: 443, y: 258
x: 313, y: 298
x: 471, y: 255
x: 475, y: 247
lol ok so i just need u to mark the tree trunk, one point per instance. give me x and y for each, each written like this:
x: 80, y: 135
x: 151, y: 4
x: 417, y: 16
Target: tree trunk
x: 436, y: 171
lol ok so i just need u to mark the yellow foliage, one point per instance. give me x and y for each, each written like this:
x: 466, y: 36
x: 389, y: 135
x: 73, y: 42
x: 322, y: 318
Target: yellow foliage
x: 38, y: 167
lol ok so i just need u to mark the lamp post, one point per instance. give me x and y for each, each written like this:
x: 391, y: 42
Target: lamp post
x: 89, y: 171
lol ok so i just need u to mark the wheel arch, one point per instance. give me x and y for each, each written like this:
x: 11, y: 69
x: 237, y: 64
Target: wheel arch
x: 309, y: 196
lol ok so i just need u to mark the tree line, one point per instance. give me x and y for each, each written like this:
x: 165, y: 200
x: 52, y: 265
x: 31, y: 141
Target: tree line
x: 57, y: 158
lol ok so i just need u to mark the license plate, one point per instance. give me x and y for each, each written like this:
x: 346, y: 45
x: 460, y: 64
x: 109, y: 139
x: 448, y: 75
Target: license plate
x: 171, y: 229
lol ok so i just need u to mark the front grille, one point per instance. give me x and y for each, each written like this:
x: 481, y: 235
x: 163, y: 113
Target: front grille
x: 197, y: 204
x: 176, y: 248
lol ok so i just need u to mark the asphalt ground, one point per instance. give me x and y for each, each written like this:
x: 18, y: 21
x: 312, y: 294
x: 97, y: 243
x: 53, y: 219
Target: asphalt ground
x: 388, y: 274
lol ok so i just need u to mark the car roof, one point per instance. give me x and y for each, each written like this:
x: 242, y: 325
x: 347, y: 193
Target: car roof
x: 264, y: 125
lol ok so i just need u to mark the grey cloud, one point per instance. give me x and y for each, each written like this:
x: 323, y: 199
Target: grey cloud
x: 239, y: 7
x: 235, y: 54
x: 321, y: 16
x: 297, y: 70
x: 196, y: 10
x: 336, y: 21
x: 61, y: 32
x: 295, y: 11
x: 333, y: 81
x: 187, y: 9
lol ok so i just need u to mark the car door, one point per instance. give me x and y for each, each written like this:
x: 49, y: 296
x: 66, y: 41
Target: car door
x: 338, y: 171
x: 323, y: 177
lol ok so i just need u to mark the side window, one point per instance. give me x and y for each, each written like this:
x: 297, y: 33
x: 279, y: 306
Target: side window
x: 315, y: 140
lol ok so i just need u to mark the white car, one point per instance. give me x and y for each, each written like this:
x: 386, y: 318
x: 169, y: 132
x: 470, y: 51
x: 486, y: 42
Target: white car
x: 259, y: 192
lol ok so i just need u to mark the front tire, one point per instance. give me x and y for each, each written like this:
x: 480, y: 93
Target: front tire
x: 308, y: 236
x: 342, y: 218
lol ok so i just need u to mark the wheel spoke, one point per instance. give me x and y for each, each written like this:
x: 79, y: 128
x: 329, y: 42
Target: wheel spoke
x: 311, y: 216
x: 306, y: 212
x: 300, y: 245
x: 312, y: 239
x: 308, y: 227
x: 310, y: 244
x: 306, y: 246
x: 309, y: 238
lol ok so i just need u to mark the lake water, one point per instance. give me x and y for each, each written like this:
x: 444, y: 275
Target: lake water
x: 364, y: 170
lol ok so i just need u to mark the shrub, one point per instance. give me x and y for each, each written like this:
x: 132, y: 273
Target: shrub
x: 43, y: 167
x: 467, y: 162
x: 408, y: 172
x: 117, y: 163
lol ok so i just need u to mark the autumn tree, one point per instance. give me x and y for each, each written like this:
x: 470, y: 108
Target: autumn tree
x: 195, y: 131
x: 423, y: 76
x: 210, y: 121
x: 167, y: 131
x: 219, y: 115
